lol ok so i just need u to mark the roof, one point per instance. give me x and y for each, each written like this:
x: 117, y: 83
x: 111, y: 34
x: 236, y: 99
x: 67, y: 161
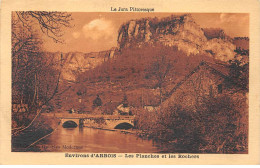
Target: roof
x: 218, y: 68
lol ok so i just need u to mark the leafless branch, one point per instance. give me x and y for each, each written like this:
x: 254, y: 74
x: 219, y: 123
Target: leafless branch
x: 50, y: 23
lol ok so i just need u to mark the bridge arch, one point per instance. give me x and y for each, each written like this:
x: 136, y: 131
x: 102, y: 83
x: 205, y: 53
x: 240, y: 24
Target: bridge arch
x: 124, y: 125
x: 69, y: 124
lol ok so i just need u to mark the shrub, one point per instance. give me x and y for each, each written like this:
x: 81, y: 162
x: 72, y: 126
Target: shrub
x: 215, y: 127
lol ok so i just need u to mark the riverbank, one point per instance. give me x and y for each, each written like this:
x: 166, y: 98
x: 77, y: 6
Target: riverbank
x: 129, y: 131
x: 41, y: 127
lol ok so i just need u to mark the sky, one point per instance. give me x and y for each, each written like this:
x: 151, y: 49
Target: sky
x: 92, y: 32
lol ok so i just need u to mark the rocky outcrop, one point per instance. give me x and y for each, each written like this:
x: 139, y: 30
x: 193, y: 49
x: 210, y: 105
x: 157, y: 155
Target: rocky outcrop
x: 211, y: 33
x: 74, y: 63
x: 181, y: 31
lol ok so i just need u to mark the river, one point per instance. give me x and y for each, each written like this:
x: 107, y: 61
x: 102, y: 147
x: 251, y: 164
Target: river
x: 93, y: 140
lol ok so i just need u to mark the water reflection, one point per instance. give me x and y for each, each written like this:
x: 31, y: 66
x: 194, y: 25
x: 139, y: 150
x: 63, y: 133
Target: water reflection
x: 94, y: 140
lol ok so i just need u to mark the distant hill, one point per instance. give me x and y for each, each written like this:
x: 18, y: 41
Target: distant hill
x: 135, y: 72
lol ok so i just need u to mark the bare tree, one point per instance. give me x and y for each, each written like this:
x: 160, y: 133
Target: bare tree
x: 35, y: 77
x: 29, y: 63
x: 50, y: 23
x: 160, y: 68
x: 26, y: 60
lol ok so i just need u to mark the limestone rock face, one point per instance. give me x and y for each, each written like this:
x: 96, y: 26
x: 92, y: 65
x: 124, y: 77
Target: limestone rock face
x: 220, y: 49
x: 74, y: 63
x: 148, y: 34
x: 181, y: 31
x: 131, y: 28
x: 136, y: 31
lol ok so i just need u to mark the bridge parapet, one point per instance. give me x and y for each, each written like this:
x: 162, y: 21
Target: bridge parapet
x: 97, y: 121
x: 62, y: 115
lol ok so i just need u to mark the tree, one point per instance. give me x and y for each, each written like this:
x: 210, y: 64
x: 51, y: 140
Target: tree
x: 239, y: 73
x: 50, y: 23
x: 35, y: 77
x: 162, y: 63
x: 97, y: 102
x: 26, y: 62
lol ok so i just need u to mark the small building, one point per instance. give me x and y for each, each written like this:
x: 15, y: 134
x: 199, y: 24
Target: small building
x: 206, y: 80
x: 150, y: 108
x: 122, y: 110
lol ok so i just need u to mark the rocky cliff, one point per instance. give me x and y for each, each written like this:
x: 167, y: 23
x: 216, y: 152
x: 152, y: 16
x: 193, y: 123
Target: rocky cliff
x: 74, y: 63
x: 181, y: 31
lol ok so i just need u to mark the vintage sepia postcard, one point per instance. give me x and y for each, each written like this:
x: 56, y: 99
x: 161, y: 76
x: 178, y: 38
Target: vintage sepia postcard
x: 103, y: 82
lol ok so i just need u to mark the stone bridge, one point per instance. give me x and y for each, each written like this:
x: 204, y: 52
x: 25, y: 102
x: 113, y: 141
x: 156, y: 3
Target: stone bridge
x: 97, y: 121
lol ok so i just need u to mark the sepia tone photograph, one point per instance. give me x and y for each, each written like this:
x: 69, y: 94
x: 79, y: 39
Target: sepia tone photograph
x: 122, y: 82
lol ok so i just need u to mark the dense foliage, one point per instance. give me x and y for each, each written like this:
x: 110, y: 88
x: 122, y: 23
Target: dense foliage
x: 217, y: 126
